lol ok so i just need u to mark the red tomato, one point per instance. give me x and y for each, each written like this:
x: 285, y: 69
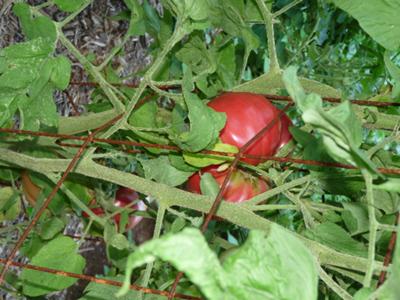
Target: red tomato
x: 241, y: 186
x: 247, y: 114
x: 285, y: 133
x: 123, y: 197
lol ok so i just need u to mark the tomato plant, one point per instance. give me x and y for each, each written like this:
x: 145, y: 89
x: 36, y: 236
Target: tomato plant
x: 241, y: 187
x: 82, y: 114
x: 246, y: 115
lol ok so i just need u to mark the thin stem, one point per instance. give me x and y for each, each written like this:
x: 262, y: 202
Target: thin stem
x: 106, y: 87
x: 387, y: 227
x: 156, y: 235
x: 334, y: 286
x: 373, y: 226
x: 276, y: 191
x: 269, y: 27
x: 285, y: 8
x: 74, y: 14
x: 113, y: 52
x: 273, y: 207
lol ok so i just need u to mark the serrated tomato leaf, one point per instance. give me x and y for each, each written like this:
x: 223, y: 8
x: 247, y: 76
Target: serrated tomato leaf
x: 205, y: 123
x: 28, y: 78
x: 60, y: 254
x: 378, y: 18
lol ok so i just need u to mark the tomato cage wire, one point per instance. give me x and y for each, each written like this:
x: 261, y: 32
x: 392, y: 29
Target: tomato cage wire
x: 235, y: 159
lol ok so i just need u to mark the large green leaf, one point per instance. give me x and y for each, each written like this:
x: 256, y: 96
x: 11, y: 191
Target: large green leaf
x: 60, y: 254
x: 378, y: 18
x: 273, y: 266
x: 28, y: 78
x: 205, y: 123
x: 340, y: 129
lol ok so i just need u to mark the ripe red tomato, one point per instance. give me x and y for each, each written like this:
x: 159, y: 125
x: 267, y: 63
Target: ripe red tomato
x: 247, y: 114
x: 241, y: 186
x: 285, y: 133
x: 123, y: 197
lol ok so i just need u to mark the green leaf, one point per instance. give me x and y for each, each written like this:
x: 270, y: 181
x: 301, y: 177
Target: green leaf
x: 61, y: 72
x: 389, y: 202
x: 195, y: 54
x: 161, y: 170
x: 355, y: 217
x: 50, y: 228
x: 226, y: 62
x: 390, y: 185
x: 378, y: 18
x: 10, y: 204
x: 39, y: 113
x: 205, y: 123
x: 179, y: 163
x: 195, y: 10
x: 33, y: 26
x: 27, y: 83
x: 337, y: 238
x: 289, y: 272
x: 144, y: 116
x: 201, y: 160
x: 59, y: 254
x: 209, y: 186
x: 119, y: 241
x: 340, y: 129
x: 394, y: 71
x: 69, y: 5
x: 137, y: 24
x: 205, y: 271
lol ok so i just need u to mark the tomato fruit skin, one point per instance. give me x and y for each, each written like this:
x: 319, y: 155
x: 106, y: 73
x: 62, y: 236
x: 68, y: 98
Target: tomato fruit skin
x: 241, y: 186
x: 123, y: 197
x: 286, y: 136
x: 246, y: 115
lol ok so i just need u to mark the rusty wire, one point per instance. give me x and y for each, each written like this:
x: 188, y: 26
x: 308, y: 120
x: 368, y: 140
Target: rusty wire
x: 269, y: 96
x: 389, y: 252
x: 388, y: 171
x: 95, y: 279
x: 50, y: 197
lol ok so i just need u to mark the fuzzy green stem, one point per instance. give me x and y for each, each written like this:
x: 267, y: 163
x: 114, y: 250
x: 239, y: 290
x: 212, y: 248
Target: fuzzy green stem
x: 269, y: 27
x: 156, y: 235
x: 373, y: 227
